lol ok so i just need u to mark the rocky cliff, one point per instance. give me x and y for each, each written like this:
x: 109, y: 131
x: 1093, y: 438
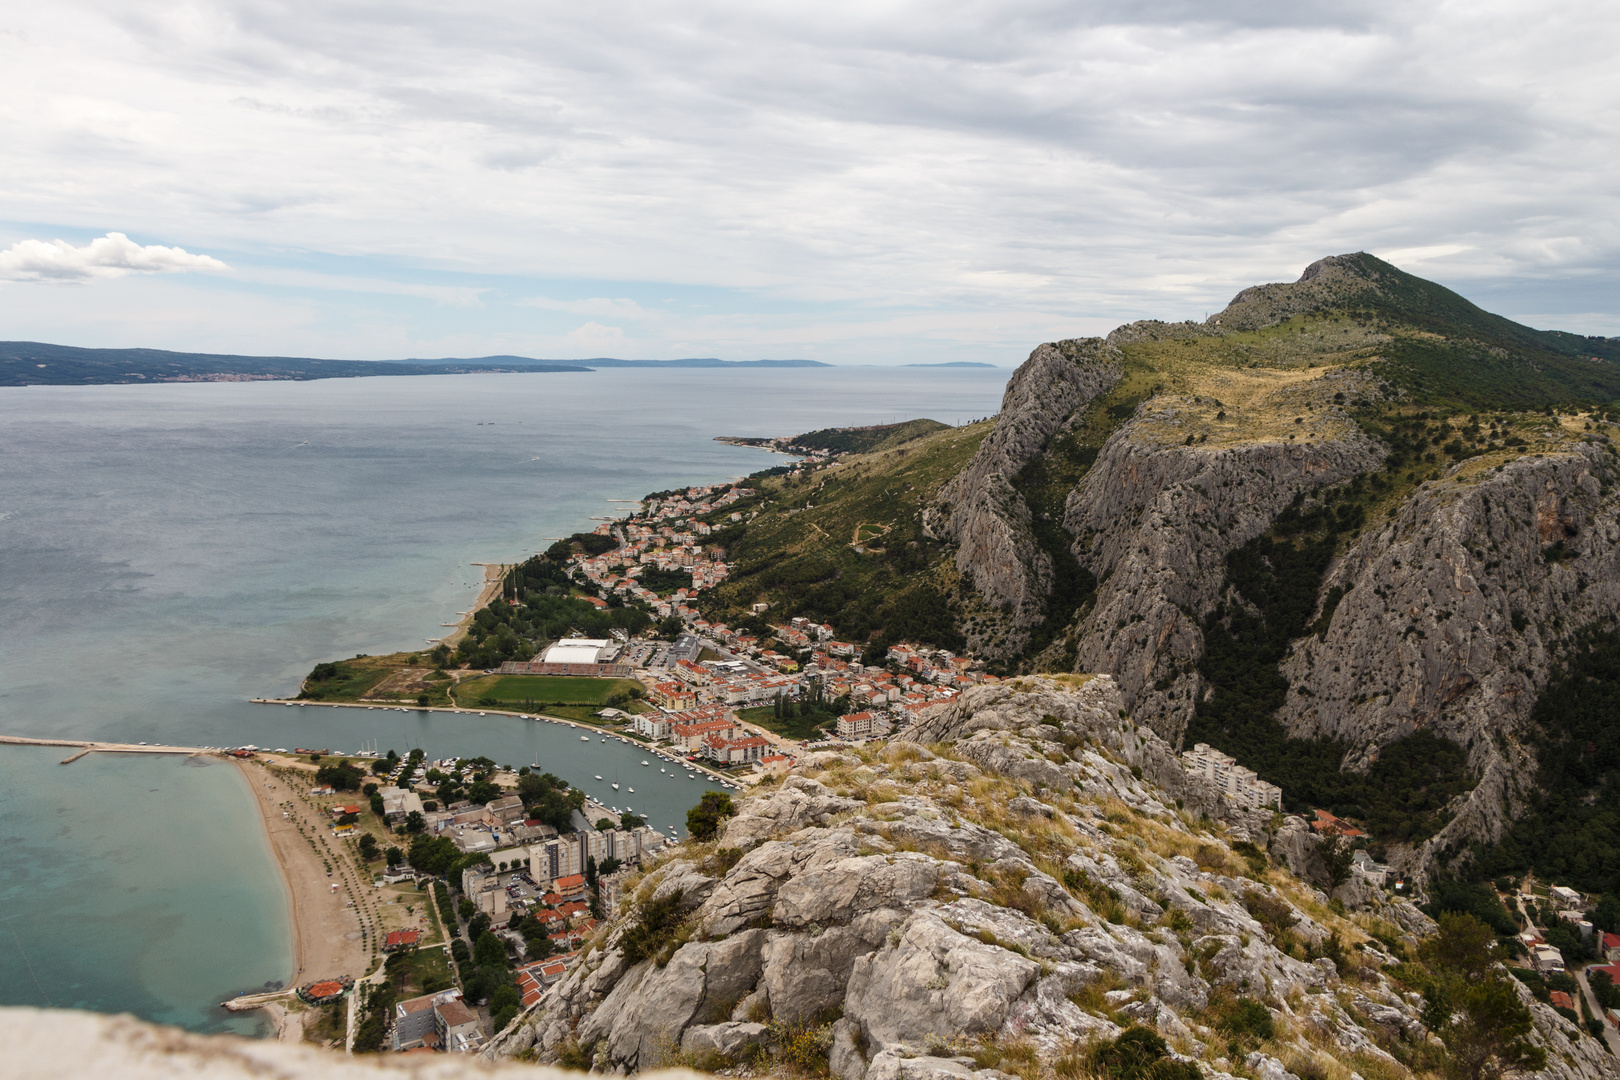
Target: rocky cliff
x: 1452, y: 613
x: 1156, y: 516
x: 994, y: 903
x: 982, y: 512
x: 1456, y: 599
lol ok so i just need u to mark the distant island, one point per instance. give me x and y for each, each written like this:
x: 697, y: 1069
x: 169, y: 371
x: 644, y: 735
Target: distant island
x: 33, y: 363
x: 954, y: 363
x: 611, y: 362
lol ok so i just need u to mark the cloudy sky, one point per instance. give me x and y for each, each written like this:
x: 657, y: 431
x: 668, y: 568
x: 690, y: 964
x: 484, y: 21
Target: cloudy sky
x: 855, y: 182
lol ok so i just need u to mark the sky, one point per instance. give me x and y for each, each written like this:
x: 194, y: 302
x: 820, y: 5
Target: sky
x: 858, y: 183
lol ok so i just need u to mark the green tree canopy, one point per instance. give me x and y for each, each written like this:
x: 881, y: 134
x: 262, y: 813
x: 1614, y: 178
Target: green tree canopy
x: 703, y: 820
x: 489, y: 949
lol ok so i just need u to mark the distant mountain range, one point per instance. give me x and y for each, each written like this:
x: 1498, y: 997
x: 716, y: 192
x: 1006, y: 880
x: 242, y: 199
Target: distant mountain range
x: 611, y: 362
x: 25, y: 363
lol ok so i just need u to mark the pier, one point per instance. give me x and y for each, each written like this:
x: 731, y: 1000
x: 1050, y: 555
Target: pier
x: 84, y: 746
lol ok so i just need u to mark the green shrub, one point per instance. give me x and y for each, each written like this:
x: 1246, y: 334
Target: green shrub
x: 1140, y: 1054
x: 1248, y: 1018
x: 655, y: 929
x: 575, y: 1055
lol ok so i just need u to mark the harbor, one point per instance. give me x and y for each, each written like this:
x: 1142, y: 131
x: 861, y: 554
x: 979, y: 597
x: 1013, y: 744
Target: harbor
x: 571, y: 750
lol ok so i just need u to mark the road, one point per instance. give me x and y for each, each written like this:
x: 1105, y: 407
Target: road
x: 1610, y: 1036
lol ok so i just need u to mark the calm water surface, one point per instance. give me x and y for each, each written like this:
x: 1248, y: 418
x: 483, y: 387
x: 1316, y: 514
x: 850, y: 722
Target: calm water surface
x: 167, y: 552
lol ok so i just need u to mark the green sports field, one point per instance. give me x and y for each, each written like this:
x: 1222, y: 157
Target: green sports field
x: 518, y: 689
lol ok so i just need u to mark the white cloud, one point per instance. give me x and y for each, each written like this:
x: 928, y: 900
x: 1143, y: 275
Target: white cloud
x: 461, y: 296
x: 1082, y: 160
x: 1409, y: 257
x: 593, y: 335
x: 110, y: 256
x: 613, y: 309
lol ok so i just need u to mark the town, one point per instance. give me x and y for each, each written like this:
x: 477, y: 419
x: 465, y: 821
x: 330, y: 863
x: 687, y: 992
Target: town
x: 522, y: 874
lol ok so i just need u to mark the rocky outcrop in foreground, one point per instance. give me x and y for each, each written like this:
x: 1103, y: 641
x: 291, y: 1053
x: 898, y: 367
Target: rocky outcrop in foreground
x: 64, y: 1044
x: 1030, y: 875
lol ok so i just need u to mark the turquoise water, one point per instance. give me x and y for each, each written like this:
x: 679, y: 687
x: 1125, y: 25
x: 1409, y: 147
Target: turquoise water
x: 136, y: 884
x: 167, y: 552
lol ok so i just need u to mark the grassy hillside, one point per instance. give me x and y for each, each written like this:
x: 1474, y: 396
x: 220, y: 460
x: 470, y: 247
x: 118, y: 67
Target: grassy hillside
x: 844, y: 544
x: 867, y: 440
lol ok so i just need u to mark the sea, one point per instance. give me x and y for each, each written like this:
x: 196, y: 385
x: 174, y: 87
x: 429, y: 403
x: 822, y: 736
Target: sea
x: 169, y: 551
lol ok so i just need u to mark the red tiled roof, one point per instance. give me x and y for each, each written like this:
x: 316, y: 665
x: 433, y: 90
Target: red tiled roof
x: 403, y: 937
x: 1562, y: 1000
x: 1329, y: 823
x: 325, y: 989
x: 571, y: 882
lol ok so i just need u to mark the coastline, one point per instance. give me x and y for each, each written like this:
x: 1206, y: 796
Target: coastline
x: 325, y: 929
x: 494, y: 577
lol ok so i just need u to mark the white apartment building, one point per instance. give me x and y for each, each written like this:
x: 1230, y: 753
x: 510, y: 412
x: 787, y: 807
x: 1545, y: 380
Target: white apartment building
x: 568, y: 854
x: 863, y: 725
x: 654, y: 726
x: 1240, y: 785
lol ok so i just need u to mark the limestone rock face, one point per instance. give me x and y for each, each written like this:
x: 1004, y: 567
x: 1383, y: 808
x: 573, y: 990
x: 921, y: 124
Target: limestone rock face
x: 64, y: 1044
x: 1450, y: 617
x: 934, y: 981
x: 1027, y: 877
x: 981, y: 511
x: 1065, y: 711
x: 1155, y: 520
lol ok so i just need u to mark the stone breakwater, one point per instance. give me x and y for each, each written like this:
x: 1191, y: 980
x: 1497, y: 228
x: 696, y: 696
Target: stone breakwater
x: 1039, y: 876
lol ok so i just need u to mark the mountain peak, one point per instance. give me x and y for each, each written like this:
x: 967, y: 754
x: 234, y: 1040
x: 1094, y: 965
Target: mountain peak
x: 1327, y: 283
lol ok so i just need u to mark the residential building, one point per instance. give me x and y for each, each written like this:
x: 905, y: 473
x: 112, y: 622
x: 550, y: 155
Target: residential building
x: 672, y: 695
x: 555, y: 859
x: 691, y: 736
x: 1327, y: 824
x: 506, y: 810
x: 734, y: 751
x: 533, y: 978
x: 399, y: 939
x: 570, y: 886
x: 1237, y: 783
x: 654, y: 726
x: 458, y: 1028
x: 415, y: 1023
x: 1545, y: 958
x: 1363, y: 865
x: 863, y: 725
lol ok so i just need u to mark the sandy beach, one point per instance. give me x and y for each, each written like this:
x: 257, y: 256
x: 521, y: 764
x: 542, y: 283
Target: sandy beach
x: 326, y: 929
x: 494, y: 576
